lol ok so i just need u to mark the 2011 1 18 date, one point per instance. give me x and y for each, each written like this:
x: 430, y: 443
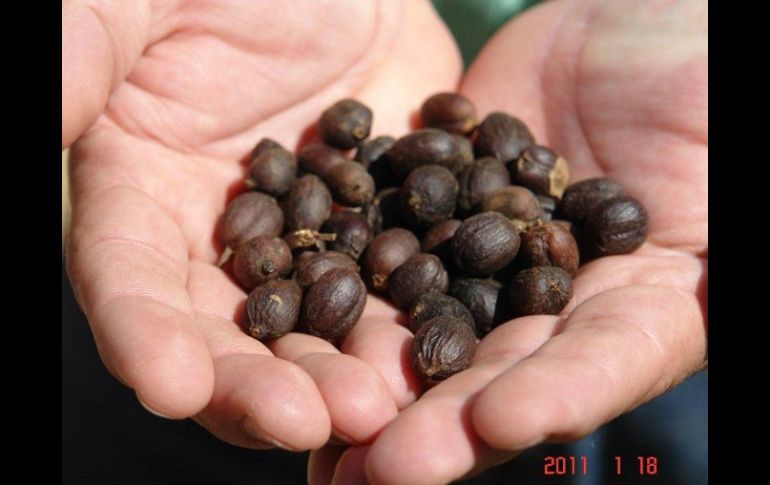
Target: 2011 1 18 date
x: 578, y: 465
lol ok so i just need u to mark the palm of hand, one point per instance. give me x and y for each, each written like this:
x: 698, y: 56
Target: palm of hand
x: 152, y: 176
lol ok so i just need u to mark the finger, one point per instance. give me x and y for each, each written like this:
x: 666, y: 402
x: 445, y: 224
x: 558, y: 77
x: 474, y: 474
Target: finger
x: 618, y: 349
x: 350, y: 469
x: 380, y: 341
x: 500, y: 351
x: 262, y: 399
x: 649, y: 265
x: 259, y: 400
x: 357, y: 398
x: 127, y: 262
x: 433, y: 441
x: 356, y: 392
x: 321, y: 464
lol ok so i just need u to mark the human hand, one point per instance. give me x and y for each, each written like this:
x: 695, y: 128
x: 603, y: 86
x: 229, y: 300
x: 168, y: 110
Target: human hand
x: 619, y: 88
x: 169, y: 98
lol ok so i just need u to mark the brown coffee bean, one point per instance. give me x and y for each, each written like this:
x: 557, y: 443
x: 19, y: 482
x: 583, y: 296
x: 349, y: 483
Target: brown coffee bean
x: 305, y: 240
x: 441, y: 348
x: 438, y: 240
x: 483, y: 299
x: 373, y: 216
x: 417, y: 275
x: 449, y: 112
x: 261, y: 259
x: 388, y: 202
x: 309, y: 269
x: 481, y: 178
x: 542, y: 171
x: 302, y: 257
x: 542, y: 290
x: 577, y: 232
x: 429, y: 196
x: 516, y: 203
x: 247, y: 216
x: 272, y: 172
x: 581, y: 197
x: 272, y: 309
x: 373, y: 154
x: 550, y: 244
x: 307, y: 205
x: 318, y: 159
x: 502, y: 136
x: 306, y: 252
x: 350, y: 183
x: 427, y: 147
x: 466, y: 151
x: 434, y: 304
x: 352, y: 233
x: 389, y: 250
x: 264, y: 145
x: 345, y: 123
x: 506, y: 274
x: 485, y: 243
x: 547, y: 206
x: 616, y: 226
x: 568, y: 226
x: 373, y: 151
x: 333, y: 304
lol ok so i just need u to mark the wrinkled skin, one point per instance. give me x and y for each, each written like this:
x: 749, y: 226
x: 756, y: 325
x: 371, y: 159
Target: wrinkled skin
x: 620, y: 89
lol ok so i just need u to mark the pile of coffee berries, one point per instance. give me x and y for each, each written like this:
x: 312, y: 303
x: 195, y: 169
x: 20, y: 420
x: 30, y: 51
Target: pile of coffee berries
x: 463, y: 225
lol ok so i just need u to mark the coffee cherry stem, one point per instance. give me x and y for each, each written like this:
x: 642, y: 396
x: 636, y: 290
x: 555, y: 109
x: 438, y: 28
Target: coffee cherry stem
x: 226, y: 254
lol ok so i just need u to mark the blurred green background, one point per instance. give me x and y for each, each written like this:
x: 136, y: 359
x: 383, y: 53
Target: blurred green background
x: 474, y: 21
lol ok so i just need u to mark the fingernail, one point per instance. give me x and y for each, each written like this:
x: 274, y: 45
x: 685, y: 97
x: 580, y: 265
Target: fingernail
x: 251, y: 428
x: 151, y: 410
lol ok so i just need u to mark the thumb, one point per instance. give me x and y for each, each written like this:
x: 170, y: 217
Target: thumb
x: 101, y: 40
